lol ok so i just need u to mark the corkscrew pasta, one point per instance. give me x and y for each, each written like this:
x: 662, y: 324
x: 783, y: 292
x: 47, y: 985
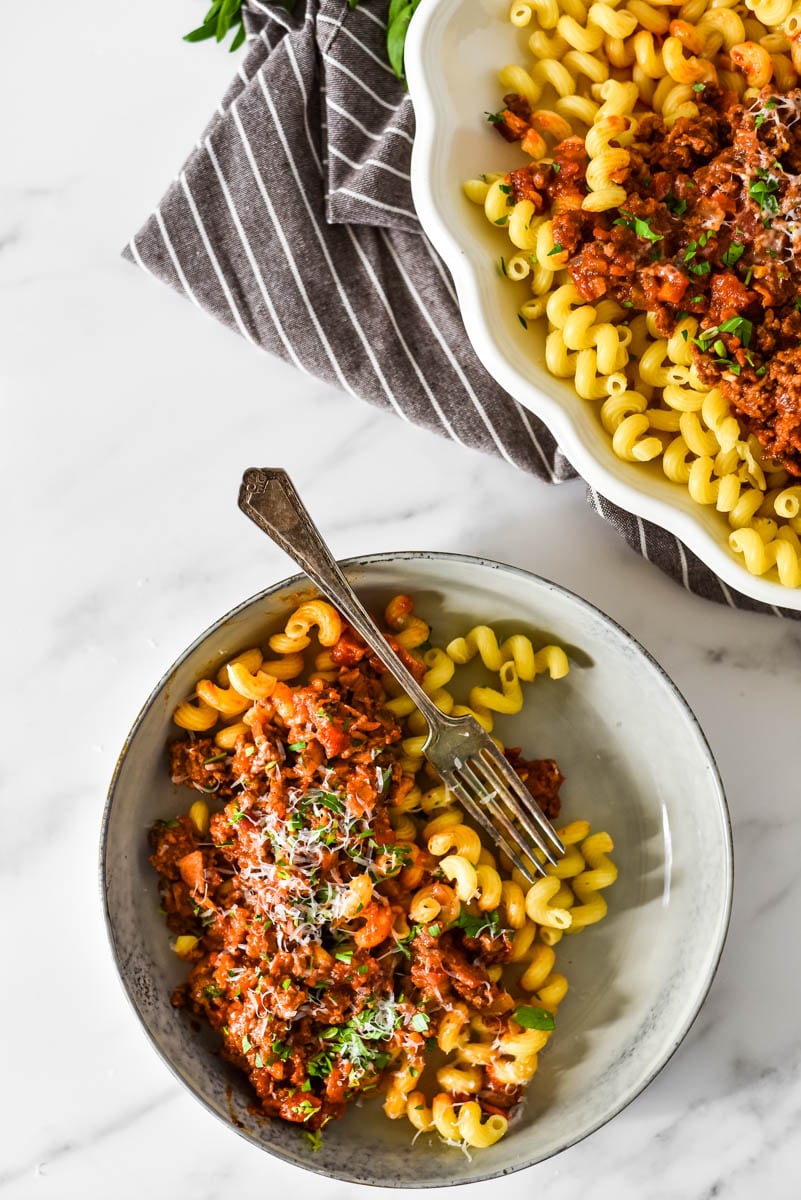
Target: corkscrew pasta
x: 336, y: 910
x: 687, y: 372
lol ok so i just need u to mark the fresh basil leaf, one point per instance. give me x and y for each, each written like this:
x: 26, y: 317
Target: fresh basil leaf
x: 396, y: 39
x: 238, y: 38
x: 395, y: 8
x: 207, y: 30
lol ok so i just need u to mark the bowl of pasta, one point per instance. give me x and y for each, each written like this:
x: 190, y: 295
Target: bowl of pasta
x: 614, y: 190
x: 318, y: 942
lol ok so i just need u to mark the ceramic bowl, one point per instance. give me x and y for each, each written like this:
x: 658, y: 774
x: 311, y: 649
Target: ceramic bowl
x: 636, y: 764
x: 453, y: 54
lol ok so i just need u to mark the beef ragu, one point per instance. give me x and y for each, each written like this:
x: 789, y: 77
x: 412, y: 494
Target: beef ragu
x: 316, y: 995
x: 711, y: 227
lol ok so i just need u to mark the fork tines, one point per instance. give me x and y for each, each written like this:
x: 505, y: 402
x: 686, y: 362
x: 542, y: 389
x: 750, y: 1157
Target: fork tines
x: 497, y: 799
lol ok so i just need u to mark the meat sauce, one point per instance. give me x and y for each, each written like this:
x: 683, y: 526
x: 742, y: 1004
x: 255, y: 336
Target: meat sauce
x: 710, y: 228
x: 316, y: 1000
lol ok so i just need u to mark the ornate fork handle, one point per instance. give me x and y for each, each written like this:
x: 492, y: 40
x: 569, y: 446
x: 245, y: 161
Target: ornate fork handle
x: 268, y: 497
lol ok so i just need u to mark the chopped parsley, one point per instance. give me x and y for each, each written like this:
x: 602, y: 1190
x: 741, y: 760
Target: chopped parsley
x: 474, y: 926
x: 740, y: 327
x: 639, y: 226
x: 734, y: 253
x: 355, y: 1040
x: 761, y: 117
x: 314, y: 1138
x: 557, y: 249
x: 297, y: 746
x: 762, y: 191
x: 305, y: 1109
x: 495, y: 118
x: 318, y: 797
x: 280, y: 1050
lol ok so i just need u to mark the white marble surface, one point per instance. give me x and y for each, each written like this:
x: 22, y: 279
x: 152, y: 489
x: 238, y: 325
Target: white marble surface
x: 128, y: 418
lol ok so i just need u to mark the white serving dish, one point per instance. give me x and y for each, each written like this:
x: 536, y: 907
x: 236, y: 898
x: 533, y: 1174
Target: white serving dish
x: 454, y: 51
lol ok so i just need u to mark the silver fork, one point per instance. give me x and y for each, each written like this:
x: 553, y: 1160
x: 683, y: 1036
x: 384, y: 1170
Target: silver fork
x: 465, y: 757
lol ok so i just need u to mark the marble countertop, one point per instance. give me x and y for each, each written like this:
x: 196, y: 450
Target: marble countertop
x: 129, y: 418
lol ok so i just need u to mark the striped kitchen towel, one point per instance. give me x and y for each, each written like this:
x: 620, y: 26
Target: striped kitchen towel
x: 292, y: 221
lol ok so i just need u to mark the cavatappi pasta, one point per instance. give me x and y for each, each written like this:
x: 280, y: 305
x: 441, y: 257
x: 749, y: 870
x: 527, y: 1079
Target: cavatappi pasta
x: 701, y: 384
x: 339, y: 913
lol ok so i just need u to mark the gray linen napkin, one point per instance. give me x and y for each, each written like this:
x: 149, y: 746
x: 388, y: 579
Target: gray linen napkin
x: 292, y: 221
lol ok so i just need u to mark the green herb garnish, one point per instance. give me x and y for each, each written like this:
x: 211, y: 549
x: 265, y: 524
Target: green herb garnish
x: 734, y: 253
x: 226, y: 15
x: 533, y: 1018
x: 740, y: 327
x: 638, y: 225
x: 400, y: 14
x: 474, y: 926
x: 221, y: 18
x: 763, y: 191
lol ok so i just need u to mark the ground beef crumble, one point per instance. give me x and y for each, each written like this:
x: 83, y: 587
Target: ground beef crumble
x: 711, y: 228
x: 315, y: 1004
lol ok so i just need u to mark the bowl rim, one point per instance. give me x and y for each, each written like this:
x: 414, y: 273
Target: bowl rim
x: 366, y: 560
x: 427, y: 80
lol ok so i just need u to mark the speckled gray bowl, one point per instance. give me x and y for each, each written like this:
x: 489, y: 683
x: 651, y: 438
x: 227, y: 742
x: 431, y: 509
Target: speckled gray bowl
x: 636, y: 764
